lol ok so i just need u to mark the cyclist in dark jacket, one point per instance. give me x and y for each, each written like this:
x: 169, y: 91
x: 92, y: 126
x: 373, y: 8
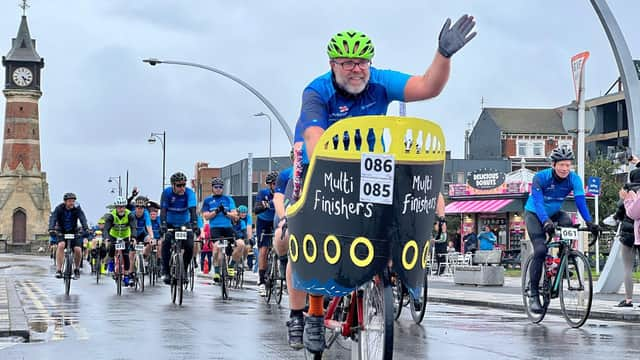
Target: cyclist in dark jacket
x: 64, y: 220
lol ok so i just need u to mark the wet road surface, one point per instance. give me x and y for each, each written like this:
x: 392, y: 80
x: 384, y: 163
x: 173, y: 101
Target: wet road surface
x: 93, y: 323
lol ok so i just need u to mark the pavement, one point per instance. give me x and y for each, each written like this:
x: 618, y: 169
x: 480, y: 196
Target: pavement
x: 443, y: 289
x: 13, y: 322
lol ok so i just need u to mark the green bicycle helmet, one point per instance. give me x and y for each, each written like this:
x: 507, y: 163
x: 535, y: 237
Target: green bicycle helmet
x: 350, y: 44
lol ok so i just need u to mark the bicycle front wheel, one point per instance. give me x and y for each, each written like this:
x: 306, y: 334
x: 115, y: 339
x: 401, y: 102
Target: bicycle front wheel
x: 140, y: 271
x: 67, y: 274
x: 576, y: 290
x: 174, y: 277
x: 223, y: 277
x: 527, y: 291
x: 376, y: 331
x: 396, y: 289
x: 192, y: 274
x: 419, y: 306
x: 98, y: 267
x: 180, y: 278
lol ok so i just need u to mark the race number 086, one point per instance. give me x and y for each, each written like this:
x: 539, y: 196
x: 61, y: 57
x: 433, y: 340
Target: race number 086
x: 378, y: 164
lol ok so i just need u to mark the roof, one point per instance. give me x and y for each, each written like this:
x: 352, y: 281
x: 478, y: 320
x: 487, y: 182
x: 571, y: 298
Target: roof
x: 23, y: 48
x: 527, y: 121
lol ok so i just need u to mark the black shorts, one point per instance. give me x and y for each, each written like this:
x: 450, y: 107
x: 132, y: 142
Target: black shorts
x: 76, y: 242
x: 264, y: 227
x: 220, y: 232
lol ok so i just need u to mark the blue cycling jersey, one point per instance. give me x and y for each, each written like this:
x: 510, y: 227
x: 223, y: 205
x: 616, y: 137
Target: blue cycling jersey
x: 283, y: 179
x: 142, y: 222
x: 548, y: 194
x: 212, y: 203
x: 240, y: 228
x: 155, y: 225
x: 322, y: 105
x: 266, y: 195
x: 177, y: 206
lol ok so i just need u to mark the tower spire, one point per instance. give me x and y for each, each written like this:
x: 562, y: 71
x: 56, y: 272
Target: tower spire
x: 24, y: 6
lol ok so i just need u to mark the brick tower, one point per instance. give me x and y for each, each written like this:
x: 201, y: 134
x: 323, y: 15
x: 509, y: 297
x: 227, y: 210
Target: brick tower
x: 24, y: 193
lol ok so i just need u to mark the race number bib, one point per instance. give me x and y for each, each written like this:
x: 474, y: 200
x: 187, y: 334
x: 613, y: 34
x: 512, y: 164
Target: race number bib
x: 69, y: 236
x: 377, y: 172
x: 222, y: 244
x: 139, y: 247
x: 181, y: 235
x: 569, y: 233
x: 120, y: 245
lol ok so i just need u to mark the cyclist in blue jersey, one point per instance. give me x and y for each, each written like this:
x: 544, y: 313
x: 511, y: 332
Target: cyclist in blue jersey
x: 220, y: 210
x: 243, y: 215
x: 177, y: 209
x: 353, y: 87
x: 144, y: 230
x: 549, y: 189
x: 264, y: 226
x: 155, y: 226
x: 280, y: 203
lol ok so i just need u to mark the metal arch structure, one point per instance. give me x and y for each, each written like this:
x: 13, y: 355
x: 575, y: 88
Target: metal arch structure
x: 612, y: 274
x: 628, y: 73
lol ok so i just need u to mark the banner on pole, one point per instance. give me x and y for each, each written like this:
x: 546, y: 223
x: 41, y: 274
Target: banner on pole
x: 577, y: 67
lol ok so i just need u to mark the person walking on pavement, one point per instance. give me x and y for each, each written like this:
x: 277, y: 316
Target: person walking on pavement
x: 629, y: 214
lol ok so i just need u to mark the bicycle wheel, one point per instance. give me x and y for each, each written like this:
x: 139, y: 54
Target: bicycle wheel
x: 98, y: 267
x: 67, y: 274
x: 192, y: 274
x: 376, y: 331
x: 576, y: 290
x: 279, y: 283
x: 419, y: 306
x: 174, y: 277
x: 396, y: 289
x: 270, y: 276
x: 542, y: 292
x: 152, y: 269
x: 223, y: 277
x: 118, y: 269
x: 241, y: 273
x: 180, y: 280
x: 140, y: 272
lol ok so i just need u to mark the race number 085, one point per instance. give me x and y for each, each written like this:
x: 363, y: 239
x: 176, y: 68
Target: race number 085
x: 376, y: 189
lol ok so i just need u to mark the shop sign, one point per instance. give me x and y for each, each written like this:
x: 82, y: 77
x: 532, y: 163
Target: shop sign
x: 485, y: 179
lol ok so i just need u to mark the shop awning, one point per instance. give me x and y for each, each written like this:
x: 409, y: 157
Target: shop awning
x: 477, y: 206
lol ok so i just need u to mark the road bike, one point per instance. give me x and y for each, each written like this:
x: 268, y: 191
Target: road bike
x: 567, y: 276
x: 402, y: 298
x: 120, y: 245
x: 177, y: 273
x: 274, y: 281
x: 68, y: 262
x: 153, y: 270
x: 139, y: 270
x: 96, y: 258
x: 225, y: 247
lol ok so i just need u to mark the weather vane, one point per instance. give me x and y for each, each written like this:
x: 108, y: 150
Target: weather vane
x: 24, y: 7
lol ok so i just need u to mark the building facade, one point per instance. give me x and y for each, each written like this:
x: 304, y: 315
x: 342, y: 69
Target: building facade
x: 24, y: 192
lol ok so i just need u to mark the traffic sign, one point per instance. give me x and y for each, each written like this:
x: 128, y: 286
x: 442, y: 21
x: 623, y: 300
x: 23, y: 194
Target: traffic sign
x: 593, y: 185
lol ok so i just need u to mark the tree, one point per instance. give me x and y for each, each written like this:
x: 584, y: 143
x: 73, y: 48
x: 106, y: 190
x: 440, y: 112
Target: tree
x: 610, y: 184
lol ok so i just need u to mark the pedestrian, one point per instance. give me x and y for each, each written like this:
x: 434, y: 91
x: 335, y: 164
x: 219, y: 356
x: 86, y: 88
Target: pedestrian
x: 206, y: 251
x: 451, y: 247
x: 440, y: 242
x: 629, y: 213
x: 487, y: 239
x: 470, y: 242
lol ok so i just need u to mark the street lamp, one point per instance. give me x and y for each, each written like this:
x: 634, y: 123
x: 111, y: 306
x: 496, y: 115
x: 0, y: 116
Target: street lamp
x: 268, y: 117
x: 274, y: 111
x: 118, y: 179
x: 163, y: 141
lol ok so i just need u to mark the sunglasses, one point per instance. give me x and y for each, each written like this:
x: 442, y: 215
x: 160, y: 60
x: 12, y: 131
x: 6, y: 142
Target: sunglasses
x: 180, y: 185
x: 217, y: 186
x: 139, y: 207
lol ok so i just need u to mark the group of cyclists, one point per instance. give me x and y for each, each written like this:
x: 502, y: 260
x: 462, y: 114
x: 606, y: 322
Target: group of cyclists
x: 352, y: 87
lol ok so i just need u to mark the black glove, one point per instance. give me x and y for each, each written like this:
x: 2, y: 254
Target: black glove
x: 221, y: 210
x: 452, y: 39
x: 163, y: 228
x: 593, y: 228
x: 549, y: 227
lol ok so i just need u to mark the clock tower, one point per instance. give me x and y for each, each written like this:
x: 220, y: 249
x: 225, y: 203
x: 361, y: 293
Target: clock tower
x: 24, y: 192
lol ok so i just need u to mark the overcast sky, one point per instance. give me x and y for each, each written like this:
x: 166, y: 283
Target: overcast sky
x: 101, y: 102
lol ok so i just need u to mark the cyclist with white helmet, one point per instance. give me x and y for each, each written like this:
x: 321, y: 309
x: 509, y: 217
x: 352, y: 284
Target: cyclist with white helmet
x: 265, y: 211
x: 120, y: 223
x: 549, y: 189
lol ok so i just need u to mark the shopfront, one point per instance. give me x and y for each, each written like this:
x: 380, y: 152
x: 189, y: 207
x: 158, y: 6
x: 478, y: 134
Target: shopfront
x: 497, y: 200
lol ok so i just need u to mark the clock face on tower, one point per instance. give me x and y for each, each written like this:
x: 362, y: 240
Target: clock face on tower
x: 22, y: 76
